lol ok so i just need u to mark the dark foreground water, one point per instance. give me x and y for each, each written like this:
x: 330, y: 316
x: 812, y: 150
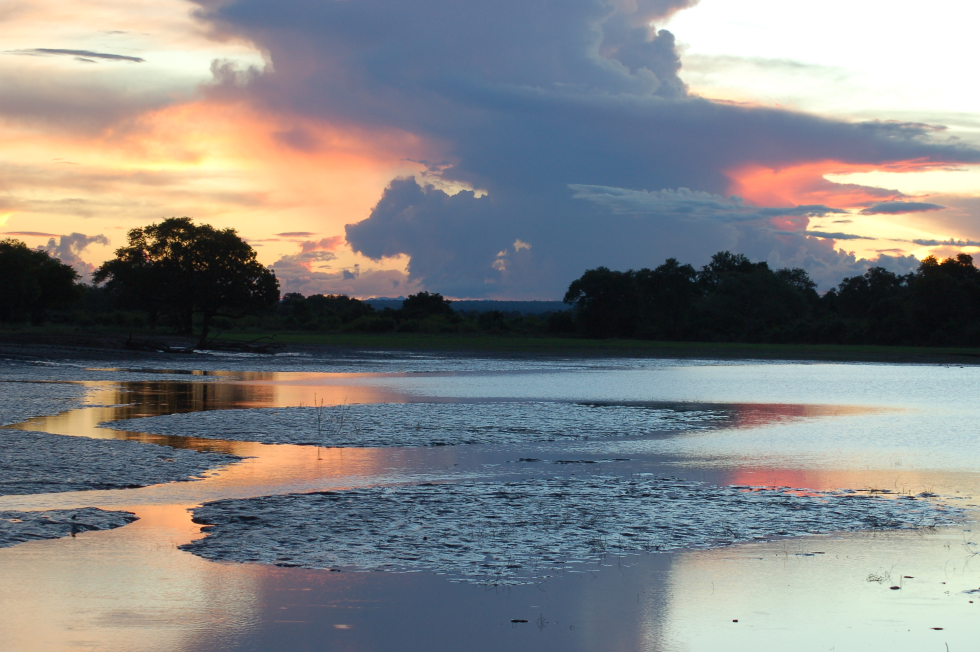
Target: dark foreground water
x: 809, y: 427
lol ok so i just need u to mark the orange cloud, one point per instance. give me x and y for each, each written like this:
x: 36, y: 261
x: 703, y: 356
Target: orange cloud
x: 326, y: 244
x: 227, y: 164
x: 803, y: 184
x: 806, y: 183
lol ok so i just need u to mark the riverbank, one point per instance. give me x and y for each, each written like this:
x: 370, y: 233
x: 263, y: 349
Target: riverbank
x: 106, y: 343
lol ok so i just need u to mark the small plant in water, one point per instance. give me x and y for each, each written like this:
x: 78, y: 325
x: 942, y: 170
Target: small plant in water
x: 318, y: 417
x: 880, y: 577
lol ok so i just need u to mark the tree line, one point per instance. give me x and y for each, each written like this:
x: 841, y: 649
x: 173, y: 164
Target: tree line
x: 191, y: 277
x: 732, y: 299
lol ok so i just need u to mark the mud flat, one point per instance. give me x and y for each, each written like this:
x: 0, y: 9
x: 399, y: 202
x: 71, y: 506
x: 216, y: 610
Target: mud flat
x: 425, y: 424
x: 20, y: 401
x: 20, y: 527
x: 38, y: 462
x: 519, y: 532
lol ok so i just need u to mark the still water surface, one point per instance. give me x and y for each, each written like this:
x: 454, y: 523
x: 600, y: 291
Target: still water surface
x: 899, y: 428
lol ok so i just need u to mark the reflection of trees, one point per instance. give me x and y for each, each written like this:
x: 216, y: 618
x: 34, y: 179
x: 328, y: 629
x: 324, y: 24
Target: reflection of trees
x: 144, y: 399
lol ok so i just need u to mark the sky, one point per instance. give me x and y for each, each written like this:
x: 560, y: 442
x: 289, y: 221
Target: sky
x: 494, y: 150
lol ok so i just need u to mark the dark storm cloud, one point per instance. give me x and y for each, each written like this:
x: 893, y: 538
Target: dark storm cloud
x: 564, y: 114
x: 84, y: 55
x: 901, y: 208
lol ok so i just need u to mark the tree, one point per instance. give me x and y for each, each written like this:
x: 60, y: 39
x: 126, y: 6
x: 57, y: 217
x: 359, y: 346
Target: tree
x: 606, y: 302
x: 423, y: 304
x: 184, y: 269
x: 944, y: 301
x: 748, y: 302
x: 667, y: 296
x: 33, y: 282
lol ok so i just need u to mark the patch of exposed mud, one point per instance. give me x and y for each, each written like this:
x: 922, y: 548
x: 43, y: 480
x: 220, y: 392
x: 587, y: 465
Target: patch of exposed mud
x: 424, y: 424
x: 38, y: 462
x: 19, y: 401
x: 20, y: 527
x: 519, y: 532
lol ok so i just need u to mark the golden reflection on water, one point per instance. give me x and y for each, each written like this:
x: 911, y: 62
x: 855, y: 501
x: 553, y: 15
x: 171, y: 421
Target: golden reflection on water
x: 126, y: 589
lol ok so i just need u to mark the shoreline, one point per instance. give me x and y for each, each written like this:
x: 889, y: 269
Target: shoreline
x: 106, y: 344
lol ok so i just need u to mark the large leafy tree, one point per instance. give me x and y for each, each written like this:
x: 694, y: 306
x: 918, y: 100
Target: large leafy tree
x: 33, y: 281
x: 181, y: 268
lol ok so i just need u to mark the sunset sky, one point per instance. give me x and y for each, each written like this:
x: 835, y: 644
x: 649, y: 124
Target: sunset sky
x: 495, y: 149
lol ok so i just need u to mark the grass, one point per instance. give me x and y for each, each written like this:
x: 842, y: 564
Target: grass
x: 106, y: 337
x: 550, y: 345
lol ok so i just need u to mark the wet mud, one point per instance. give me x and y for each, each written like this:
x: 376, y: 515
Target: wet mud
x: 426, y: 424
x: 21, y: 527
x: 39, y: 463
x: 520, y: 532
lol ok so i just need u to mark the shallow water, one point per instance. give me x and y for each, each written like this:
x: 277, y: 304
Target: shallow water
x: 898, y: 428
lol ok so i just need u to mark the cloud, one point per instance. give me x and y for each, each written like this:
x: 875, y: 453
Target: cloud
x: 687, y: 204
x: 85, y: 55
x: 352, y: 281
x: 565, y: 119
x: 901, y: 208
x: 308, y: 272
x: 298, y: 139
x: 68, y: 249
x: 951, y: 242
x: 31, y: 233
x: 826, y: 264
x: 834, y: 236
x: 295, y: 234
x: 325, y: 244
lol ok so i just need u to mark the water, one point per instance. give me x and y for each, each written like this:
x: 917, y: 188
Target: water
x: 899, y: 428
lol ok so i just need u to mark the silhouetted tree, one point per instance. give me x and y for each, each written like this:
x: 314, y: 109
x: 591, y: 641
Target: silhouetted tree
x: 185, y: 269
x: 321, y: 312
x: 423, y: 304
x: 667, y: 296
x: 944, y: 300
x: 730, y: 298
x: 606, y: 302
x: 871, y: 308
x: 33, y: 281
x: 746, y: 301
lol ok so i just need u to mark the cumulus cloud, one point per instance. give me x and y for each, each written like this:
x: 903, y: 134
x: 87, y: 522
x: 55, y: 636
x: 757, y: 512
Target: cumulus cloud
x: 311, y: 272
x: 353, y: 282
x: 68, y: 249
x: 565, y: 117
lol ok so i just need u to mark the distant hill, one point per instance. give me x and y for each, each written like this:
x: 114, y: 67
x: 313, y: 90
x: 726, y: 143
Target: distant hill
x: 522, y: 307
